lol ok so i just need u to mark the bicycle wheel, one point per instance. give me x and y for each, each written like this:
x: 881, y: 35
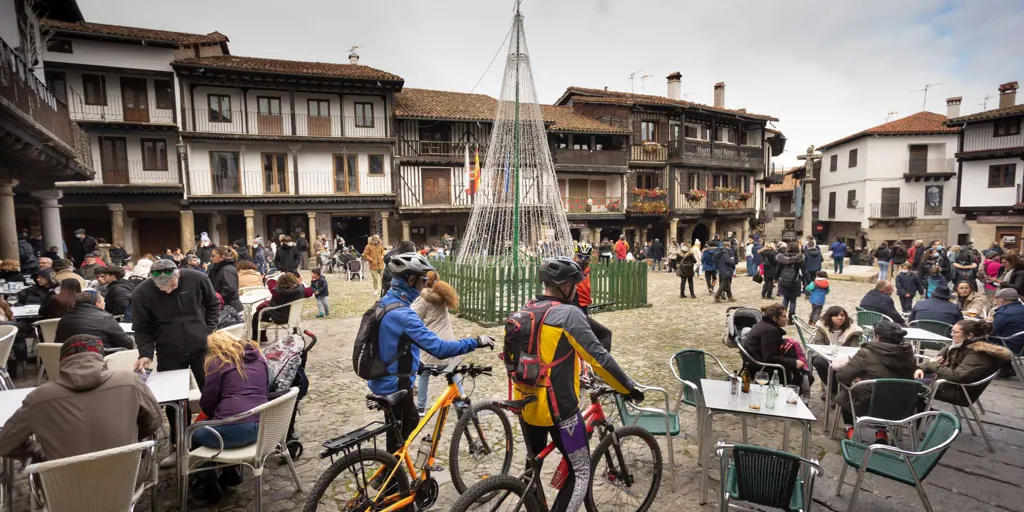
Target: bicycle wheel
x: 481, y: 446
x: 346, y: 484
x: 497, y: 493
x: 625, y: 476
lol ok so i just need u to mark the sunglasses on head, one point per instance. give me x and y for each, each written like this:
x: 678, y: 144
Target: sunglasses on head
x: 162, y: 272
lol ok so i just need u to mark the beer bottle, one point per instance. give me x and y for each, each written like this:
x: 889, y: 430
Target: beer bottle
x: 745, y: 376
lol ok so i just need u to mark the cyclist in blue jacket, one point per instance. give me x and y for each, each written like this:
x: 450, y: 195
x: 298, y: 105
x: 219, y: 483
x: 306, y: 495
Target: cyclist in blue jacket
x: 403, y: 328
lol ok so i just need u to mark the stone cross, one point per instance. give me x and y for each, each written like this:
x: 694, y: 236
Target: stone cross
x: 807, y: 219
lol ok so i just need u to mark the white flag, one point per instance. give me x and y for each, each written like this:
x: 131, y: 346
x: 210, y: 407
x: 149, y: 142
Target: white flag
x: 465, y: 169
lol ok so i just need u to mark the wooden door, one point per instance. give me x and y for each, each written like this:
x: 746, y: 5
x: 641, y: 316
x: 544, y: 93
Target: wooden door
x: 114, y: 160
x: 437, y: 186
x: 135, y: 99
x: 157, y: 235
x: 269, y: 117
x: 890, y: 202
x: 275, y: 173
x: 1008, y: 237
x: 318, y: 123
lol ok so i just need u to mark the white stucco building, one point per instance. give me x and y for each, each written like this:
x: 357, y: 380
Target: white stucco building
x: 893, y: 182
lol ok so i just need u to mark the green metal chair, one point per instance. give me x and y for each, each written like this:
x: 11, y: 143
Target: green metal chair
x: 891, y: 400
x: 904, y: 466
x: 767, y: 477
x: 934, y: 327
x: 689, y: 366
x: 804, y: 330
x: 867, y: 319
x: 656, y: 421
x: 765, y: 366
x: 958, y: 408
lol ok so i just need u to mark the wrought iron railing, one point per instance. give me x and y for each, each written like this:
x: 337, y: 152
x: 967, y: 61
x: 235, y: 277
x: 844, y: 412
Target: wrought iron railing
x: 255, y: 123
x: 893, y: 211
x: 439, y: 149
x: 695, y: 148
x: 613, y: 157
x: 606, y: 204
x: 113, y: 110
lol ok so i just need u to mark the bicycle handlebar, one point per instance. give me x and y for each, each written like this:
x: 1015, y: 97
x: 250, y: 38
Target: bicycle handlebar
x: 471, y: 370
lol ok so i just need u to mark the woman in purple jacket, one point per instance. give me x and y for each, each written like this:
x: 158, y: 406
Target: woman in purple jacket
x: 236, y: 381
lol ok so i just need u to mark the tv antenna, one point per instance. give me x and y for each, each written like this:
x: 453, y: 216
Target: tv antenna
x: 643, y: 81
x: 984, y: 102
x: 632, y: 78
x: 924, y: 105
x: 890, y: 114
x: 685, y: 94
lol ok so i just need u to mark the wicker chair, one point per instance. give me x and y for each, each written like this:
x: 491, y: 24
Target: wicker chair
x: 123, y: 360
x: 99, y: 481
x: 7, y: 335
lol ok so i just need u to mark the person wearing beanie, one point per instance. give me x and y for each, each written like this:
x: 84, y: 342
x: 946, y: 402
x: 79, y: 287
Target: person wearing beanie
x: 85, y: 408
x: 63, y: 269
x: 1008, y: 318
x: 37, y: 293
x: 938, y: 308
x: 205, y: 251
x: 885, y: 357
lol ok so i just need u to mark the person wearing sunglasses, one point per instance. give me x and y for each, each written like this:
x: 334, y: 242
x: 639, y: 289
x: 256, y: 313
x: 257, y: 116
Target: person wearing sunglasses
x: 172, y: 313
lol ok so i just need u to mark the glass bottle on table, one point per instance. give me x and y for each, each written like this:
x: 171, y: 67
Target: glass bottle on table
x: 772, y: 394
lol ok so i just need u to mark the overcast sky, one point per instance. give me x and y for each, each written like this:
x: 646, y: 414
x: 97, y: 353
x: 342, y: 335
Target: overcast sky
x: 825, y: 69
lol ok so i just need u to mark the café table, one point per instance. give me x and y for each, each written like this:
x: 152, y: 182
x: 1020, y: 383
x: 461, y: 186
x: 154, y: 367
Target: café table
x: 831, y: 354
x: 30, y: 311
x: 716, y: 401
x: 171, y: 389
x: 249, y: 300
x: 126, y: 327
x: 916, y: 335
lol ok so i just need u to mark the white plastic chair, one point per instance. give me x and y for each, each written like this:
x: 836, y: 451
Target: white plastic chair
x: 123, y: 360
x: 236, y: 330
x: 354, y: 268
x: 247, y: 289
x: 100, y: 481
x: 274, y: 418
x: 7, y: 335
x: 46, y: 332
x: 49, y: 355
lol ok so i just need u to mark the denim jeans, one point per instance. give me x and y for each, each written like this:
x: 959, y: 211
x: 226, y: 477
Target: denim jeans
x: 789, y: 302
x: 838, y: 264
x: 235, y: 435
x: 883, y: 270
x: 321, y: 306
x: 424, y: 384
x: 750, y: 265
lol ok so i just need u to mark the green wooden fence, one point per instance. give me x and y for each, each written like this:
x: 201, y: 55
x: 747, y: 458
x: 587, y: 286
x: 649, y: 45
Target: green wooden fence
x: 489, y: 292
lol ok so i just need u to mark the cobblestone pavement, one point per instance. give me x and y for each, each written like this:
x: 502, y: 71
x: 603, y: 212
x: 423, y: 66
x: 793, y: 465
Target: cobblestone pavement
x: 644, y: 339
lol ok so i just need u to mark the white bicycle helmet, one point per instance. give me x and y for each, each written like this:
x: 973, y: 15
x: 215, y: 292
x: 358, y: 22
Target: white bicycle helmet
x: 409, y: 264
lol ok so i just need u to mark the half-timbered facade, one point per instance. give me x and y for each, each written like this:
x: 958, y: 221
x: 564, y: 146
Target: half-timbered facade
x: 693, y: 170
x: 990, y: 161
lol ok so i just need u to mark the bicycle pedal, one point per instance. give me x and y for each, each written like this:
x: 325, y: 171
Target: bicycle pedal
x: 436, y: 469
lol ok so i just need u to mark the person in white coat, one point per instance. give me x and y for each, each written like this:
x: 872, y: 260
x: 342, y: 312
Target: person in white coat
x: 433, y: 304
x: 697, y: 253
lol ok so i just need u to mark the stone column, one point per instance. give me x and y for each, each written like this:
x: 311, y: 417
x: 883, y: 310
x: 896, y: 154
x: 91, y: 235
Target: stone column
x: 250, y: 229
x: 673, y: 228
x: 643, y: 236
x: 188, y: 231
x: 597, y: 236
x: 712, y: 231
x: 585, y: 235
x: 117, y: 223
x: 406, y: 232
x: 49, y: 213
x: 384, y: 236
x: 311, y: 235
x: 8, y: 226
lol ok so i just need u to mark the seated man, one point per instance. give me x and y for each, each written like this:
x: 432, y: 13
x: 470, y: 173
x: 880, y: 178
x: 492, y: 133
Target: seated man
x: 117, y: 292
x: 88, y: 317
x: 37, y: 293
x: 86, y: 408
x: 879, y: 300
x: 938, y: 308
x: 1007, y: 321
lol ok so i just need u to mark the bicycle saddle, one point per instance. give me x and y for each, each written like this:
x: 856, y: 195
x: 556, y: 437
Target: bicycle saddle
x: 391, y: 399
x: 517, y: 405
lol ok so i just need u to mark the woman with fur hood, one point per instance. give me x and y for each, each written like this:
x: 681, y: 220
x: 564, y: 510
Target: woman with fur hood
x: 432, y: 306
x: 685, y: 262
x: 968, y: 359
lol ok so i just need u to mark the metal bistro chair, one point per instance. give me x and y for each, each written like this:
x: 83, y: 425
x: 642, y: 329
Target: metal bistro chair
x: 804, y: 330
x: 98, y: 481
x: 867, y: 319
x: 656, y: 421
x: 958, y: 408
x: 934, y: 327
x: 891, y: 400
x: 747, y: 357
x: 294, y: 317
x: 766, y: 477
x: 46, y: 332
x: 689, y: 366
x: 1017, y: 358
x: 904, y: 466
x: 7, y: 335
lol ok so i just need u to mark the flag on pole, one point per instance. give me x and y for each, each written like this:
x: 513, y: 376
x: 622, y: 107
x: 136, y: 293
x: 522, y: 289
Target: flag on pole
x: 473, y: 183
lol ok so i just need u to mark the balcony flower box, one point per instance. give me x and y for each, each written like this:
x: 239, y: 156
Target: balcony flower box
x: 651, y: 147
x: 696, y: 195
x: 746, y: 195
x: 728, y: 204
x: 727, y: 190
x: 650, y: 193
x: 614, y: 205
x: 649, y: 207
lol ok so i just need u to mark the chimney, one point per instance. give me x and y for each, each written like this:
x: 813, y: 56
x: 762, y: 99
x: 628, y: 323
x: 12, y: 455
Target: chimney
x: 353, y: 57
x: 720, y: 95
x: 675, y: 86
x: 1008, y: 95
x: 953, y: 107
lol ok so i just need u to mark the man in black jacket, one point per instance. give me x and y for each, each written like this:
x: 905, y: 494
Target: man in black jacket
x: 27, y: 256
x: 879, y: 300
x: 84, y: 244
x: 37, y: 293
x: 771, y: 270
x: 117, y: 291
x: 172, y: 313
x: 726, y: 263
x: 302, y: 244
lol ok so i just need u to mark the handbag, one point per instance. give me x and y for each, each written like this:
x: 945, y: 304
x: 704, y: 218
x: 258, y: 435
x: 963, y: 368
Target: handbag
x: 757, y: 278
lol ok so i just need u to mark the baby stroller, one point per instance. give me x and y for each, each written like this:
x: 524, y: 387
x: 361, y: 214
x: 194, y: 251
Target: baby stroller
x: 738, y: 322
x: 286, y: 365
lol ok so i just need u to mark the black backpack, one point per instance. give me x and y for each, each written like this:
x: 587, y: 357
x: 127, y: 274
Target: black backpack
x: 521, y: 349
x: 366, y: 361
x: 789, y: 274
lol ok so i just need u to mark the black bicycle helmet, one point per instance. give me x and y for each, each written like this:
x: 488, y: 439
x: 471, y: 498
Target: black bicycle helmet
x: 409, y: 264
x: 559, y: 270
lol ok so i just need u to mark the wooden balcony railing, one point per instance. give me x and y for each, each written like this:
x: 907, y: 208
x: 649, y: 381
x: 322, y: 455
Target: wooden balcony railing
x: 729, y: 200
x: 596, y: 205
x: 648, y: 200
x: 439, y: 149
x: 29, y: 95
x: 694, y: 148
x: 612, y: 157
x: 648, y: 152
x: 114, y: 111
x: 255, y: 123
x: 138, y: 172
x: 929, y: 165
x: 893, y: 211
x: 206, y: 182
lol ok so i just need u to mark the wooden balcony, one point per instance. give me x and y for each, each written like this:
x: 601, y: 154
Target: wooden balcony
x: 592, y: 205
x: 237, y: 122
x: 443, y: 150
x: 648, y: 152
x: 587, y: 157
x: 114, y: 110
x: 724, y: 202
x: 233, y: 182
x: 653, y: 201
x: 710, y: 153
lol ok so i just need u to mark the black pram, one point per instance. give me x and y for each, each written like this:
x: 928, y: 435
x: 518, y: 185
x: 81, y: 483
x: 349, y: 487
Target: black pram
x: 286, y: 362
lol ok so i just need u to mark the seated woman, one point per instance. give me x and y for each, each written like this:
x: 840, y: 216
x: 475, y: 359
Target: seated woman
x: 236, y: 381
x: 834, y: 328
x: 968, y: 359
x: 971, y: 303
x: 885, y: 357
x: 766, y: 344
x: 88, y: 317
x: 63, y: 300
x: 286, y: 288
x: 248, y: 274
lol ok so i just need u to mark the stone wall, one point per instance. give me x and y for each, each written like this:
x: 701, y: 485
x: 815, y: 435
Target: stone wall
x: 982, y: 234
x: 920, y: 229
x: 773, y: 230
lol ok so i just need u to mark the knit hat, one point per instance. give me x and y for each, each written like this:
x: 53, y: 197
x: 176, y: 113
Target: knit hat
x: 80, y: 343
x: 203, y: 237
x: 941, y: 292
x: 163, y: 266
x: 890, y: 332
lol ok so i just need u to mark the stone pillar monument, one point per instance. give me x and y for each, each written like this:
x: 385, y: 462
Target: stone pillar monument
x: 311, y: 235
x: 807, y: 183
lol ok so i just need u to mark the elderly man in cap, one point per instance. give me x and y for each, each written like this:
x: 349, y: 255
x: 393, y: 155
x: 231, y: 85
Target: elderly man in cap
x: 85, y: 408
x: 84, y: 244
x: 172, y: 313
x: 1008, y: 318
x: 937, y: 308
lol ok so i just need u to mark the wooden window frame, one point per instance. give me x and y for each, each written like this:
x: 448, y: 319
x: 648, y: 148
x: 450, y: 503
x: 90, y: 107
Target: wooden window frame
x: 320, y: 111
x: 106, y: 165
x: 369, y: 165
x: 270, y: 100
x: 851, y: 196
x: 51, y: 78
x: 263, y: 170
x: 159, y: 161
x: 164, y: 100
x: 653, y: 131
x: 102, y: 102
x: 833, y: 163
x: 59, y: 45
x: 334, y: 174
x: 360, y: 108
x: 238, y: 155
x: 1010, y: 127
x: 220, y: 117
x: 1000, y: 180
x: 832, y: 205
x: 852, y: 162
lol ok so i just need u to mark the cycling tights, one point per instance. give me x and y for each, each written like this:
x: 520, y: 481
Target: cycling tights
x: 570, y: 438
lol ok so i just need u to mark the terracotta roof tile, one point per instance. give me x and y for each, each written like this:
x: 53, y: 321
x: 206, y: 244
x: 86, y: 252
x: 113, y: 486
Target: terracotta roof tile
x: 288, y: 67
x: 921, y: 123
x: 788, y: 185
x: 564, y: 119
x: 988, y: 115
x: 83, y: 27
x: 628, y: 98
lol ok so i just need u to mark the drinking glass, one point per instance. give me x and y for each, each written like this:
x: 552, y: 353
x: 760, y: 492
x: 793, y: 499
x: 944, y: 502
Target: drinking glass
x: 756, y: 398
x: 761, y: 378
x: 792, y: 394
